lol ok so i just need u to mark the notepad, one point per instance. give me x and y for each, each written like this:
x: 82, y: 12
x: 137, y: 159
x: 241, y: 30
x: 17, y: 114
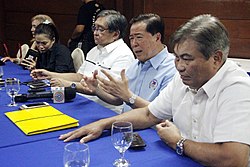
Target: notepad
x: 41, y: 120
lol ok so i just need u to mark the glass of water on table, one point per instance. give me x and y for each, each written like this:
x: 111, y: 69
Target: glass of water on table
x: 12, y: 86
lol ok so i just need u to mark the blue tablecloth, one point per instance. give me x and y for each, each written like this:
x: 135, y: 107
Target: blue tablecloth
x: 19, y: 150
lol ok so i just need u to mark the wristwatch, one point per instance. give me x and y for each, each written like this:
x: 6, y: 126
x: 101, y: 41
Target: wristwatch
x: 73, y: 85
x: 131, y: 100
x: 180, y: 146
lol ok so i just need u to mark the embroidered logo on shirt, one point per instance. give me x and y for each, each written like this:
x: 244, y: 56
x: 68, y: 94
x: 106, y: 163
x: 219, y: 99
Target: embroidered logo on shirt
x: 153, y: 84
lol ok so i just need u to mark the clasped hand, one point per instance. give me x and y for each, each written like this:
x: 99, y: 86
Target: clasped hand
x: 169, y: 133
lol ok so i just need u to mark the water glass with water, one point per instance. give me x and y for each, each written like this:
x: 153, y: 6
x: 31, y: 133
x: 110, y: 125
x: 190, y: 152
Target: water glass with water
x: 121, y: 136
x: 12, y: 86
x: 1, y: 72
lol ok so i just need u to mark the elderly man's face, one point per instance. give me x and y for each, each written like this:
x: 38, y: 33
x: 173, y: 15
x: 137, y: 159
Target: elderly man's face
x: 102, y: 36
x: 194, y: 69
x: 142, y: 42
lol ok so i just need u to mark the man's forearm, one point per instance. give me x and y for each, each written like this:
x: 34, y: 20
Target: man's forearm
x: 74, y: 77
x: 218, y: 155
x: 75, y: 35
x: 77, y: 32
x: 141, y: 118
x: 138, y: 101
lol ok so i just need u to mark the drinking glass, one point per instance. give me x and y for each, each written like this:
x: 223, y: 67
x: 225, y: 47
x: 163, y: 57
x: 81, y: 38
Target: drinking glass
x: 12, y: 86
x: 1, y: 72
x: 1, y: 76
x: 76, y: 155
x: 121, y: 136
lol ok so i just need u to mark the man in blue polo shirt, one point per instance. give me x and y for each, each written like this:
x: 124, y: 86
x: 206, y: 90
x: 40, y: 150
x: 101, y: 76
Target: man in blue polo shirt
x: 148, y: 75
x: 208, y: 101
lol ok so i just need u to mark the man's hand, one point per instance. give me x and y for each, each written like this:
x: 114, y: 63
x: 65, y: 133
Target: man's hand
x: 90, y: 83
x: 40, y: 74
x: 58, y: 82
x: 169, y: 133
x: 116, y: 87
x: 87, y: 132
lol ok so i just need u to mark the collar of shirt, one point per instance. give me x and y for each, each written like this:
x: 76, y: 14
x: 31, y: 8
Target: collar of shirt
x: 110, y: 47
x: 209, y: 87
x: 157, y: 59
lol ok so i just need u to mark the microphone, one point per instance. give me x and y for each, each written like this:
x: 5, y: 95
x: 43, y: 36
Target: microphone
x: 69, y: 94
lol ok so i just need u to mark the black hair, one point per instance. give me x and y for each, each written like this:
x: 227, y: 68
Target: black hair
x: 154, y: 23
x: 48, y: 29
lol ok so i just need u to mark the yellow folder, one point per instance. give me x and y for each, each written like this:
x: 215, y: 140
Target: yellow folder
x: 41, y: 120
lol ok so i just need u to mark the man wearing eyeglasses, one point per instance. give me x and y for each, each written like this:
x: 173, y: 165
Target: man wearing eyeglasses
x: 111, y: 53
x: 147, y: 76
x: 208, y: 101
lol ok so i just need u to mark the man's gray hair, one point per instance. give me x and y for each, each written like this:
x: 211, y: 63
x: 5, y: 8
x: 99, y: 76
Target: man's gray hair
x: 115, y: 21
x: 209, y: 33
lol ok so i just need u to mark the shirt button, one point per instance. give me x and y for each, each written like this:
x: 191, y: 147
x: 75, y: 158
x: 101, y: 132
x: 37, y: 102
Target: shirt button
x: 194, y: 120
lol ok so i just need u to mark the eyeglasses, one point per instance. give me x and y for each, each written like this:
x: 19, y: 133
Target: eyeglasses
x: 98, y: 29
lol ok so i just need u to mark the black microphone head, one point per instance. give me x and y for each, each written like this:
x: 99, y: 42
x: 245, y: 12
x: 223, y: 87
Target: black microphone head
x: 69, y: 93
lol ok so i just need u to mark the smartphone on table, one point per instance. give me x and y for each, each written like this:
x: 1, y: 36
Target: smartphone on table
x: 34, y: 105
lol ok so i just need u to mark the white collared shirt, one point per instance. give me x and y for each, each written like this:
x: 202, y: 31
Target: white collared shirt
x: 114, y: 57
x: 218, y: 112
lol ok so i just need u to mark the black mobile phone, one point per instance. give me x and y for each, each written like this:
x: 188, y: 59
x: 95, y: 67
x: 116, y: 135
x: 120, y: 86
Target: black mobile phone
x: 31, y: 54
x: 33, y: 105
x: 137, y: 142
x: 36, y: 90
x: 36, y: 85
x: 2, y: 63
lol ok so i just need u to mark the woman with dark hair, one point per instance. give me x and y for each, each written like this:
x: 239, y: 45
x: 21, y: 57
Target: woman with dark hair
x: 35, y: 21
x: 50, y: 55
x: 38, y: 19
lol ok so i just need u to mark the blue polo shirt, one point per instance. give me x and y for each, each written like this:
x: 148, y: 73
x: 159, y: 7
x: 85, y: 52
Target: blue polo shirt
x: 147, y: 79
